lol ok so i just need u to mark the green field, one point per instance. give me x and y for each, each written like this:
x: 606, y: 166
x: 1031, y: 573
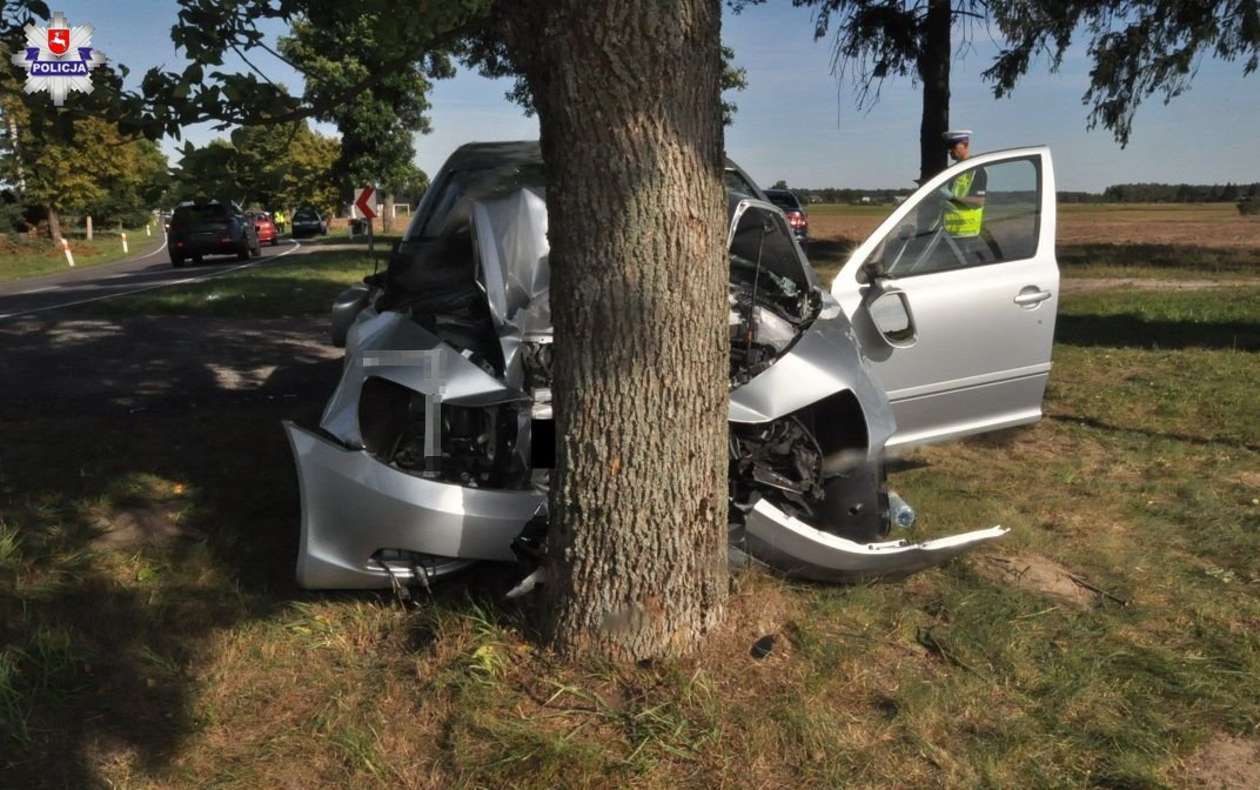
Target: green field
x: 22, y: 258
x: 1107, y: 641
x: 297, y: 285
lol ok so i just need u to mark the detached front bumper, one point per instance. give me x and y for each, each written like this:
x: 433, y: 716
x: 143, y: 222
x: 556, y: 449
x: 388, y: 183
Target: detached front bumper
x: 797, y: 549
x: 354, y: 506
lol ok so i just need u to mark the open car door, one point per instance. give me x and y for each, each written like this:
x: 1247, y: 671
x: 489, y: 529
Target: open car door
x: 954, y: 296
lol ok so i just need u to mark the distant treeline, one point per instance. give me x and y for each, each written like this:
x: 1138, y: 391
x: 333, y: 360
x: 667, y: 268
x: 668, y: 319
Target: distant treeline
x: 1116, y: 193
x: 1179, y: 193
x: 834, y: 195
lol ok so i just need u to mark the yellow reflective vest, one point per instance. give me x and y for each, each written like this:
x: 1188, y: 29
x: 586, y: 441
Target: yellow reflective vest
x: 963, y: 221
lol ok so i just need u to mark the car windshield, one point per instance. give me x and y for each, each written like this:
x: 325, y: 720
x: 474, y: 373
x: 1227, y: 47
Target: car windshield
x: 736, y: 182
x: 462, y: 188
x: 306, y: 215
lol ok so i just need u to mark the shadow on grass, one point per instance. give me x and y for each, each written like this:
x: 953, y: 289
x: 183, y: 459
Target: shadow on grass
x: 1131, y: 330
x: 382, y: 240
x: 1233, y: 260
x: 153, y: 507
x: 835, y: 250
x: 1200, y: 441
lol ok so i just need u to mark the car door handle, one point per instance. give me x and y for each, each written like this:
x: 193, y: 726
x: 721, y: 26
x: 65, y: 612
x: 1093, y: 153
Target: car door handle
x: 1031, y: 295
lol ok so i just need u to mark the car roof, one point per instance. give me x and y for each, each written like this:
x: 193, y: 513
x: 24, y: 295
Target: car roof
x: 477, y: 155
x: 484, y: 169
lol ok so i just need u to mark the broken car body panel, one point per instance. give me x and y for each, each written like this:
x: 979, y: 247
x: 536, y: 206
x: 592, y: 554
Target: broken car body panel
x: 354, y: 507
x: 798, y: 549
x: 435, y: 448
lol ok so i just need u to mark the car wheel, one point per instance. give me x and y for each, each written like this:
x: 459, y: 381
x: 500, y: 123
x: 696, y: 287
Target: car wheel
x: 177, y: 261
x: 243, y: 253
x: 197, y: 259
x: 275, y: 240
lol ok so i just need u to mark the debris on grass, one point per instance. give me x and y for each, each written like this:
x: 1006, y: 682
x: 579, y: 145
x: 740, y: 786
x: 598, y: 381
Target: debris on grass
x: 763, y: 647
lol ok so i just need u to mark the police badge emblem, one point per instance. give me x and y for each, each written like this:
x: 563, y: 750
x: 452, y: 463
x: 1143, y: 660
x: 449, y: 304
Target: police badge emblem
x: 59, y: 58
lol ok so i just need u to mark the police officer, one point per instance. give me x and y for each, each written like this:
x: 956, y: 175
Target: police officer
x: 279, y: 219
x: 963, y: 217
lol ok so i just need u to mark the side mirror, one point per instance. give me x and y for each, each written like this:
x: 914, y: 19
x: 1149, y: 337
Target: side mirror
x: 893, y: 318
x: 872, y: 269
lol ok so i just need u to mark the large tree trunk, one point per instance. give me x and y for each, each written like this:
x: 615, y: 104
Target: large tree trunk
x: 387, y: 212
x: 54, y: 225
x: 934, y: 54
x: 17, y: 153
x: 628, y: 103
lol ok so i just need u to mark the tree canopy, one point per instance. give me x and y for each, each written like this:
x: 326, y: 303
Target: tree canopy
x: 268, y: 167
x: 378, y: 125
x: 1139, y: 48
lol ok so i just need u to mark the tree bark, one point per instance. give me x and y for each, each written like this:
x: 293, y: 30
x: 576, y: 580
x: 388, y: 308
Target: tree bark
x: 628, y: 101
x: 934, y: 55
x: 387, y: 213
x: 54, y: 225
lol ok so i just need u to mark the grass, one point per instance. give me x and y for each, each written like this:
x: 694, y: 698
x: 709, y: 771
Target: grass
x: 22, y: 258
x: 192, y: 660
x: 296, y: 285
x: 1223, y: 317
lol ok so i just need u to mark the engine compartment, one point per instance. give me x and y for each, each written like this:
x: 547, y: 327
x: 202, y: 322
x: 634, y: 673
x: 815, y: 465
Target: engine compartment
x: 812, y: 462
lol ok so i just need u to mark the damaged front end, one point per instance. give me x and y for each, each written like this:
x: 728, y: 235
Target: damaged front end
x: 436, y: 448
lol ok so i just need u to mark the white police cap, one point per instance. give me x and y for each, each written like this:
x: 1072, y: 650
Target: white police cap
x: 956, y: 136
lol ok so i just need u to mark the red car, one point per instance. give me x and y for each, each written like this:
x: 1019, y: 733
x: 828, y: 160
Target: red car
x: 267, y: 233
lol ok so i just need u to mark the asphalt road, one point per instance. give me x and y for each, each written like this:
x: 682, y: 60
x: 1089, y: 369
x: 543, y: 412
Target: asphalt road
x: 134, y: 275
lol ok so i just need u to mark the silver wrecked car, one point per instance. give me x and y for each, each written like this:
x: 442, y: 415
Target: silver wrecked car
x: 435, y: 449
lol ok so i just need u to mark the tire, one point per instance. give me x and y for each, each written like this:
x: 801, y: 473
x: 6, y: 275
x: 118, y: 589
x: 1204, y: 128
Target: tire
x: 243, y: 255
x: 275, y: 240
x: 177, y: 261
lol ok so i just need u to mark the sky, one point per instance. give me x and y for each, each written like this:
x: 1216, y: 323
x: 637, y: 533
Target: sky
x: 797, y: 123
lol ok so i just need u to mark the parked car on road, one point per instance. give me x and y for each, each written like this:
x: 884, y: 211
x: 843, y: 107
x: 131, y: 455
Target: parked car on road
x: 793, y: 210
x: 266, y: 227
x: 308, y: 222
x: 436, y: 447
x: 211, y: 227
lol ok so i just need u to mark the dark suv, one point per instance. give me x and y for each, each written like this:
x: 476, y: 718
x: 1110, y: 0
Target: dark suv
x: 796, y: 216
x: 308, y: 222
x: 211, y: 227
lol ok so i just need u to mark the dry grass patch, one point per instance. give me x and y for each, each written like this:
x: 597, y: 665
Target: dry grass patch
x: 1038, y: 574
x: 1069, y: 286
x: 1226, y: 762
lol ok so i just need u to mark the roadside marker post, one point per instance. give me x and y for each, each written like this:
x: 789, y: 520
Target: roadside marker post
x: 124, y: 238
x: 65, y: 247
x: 148, y: 229
x: 362, y: 201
